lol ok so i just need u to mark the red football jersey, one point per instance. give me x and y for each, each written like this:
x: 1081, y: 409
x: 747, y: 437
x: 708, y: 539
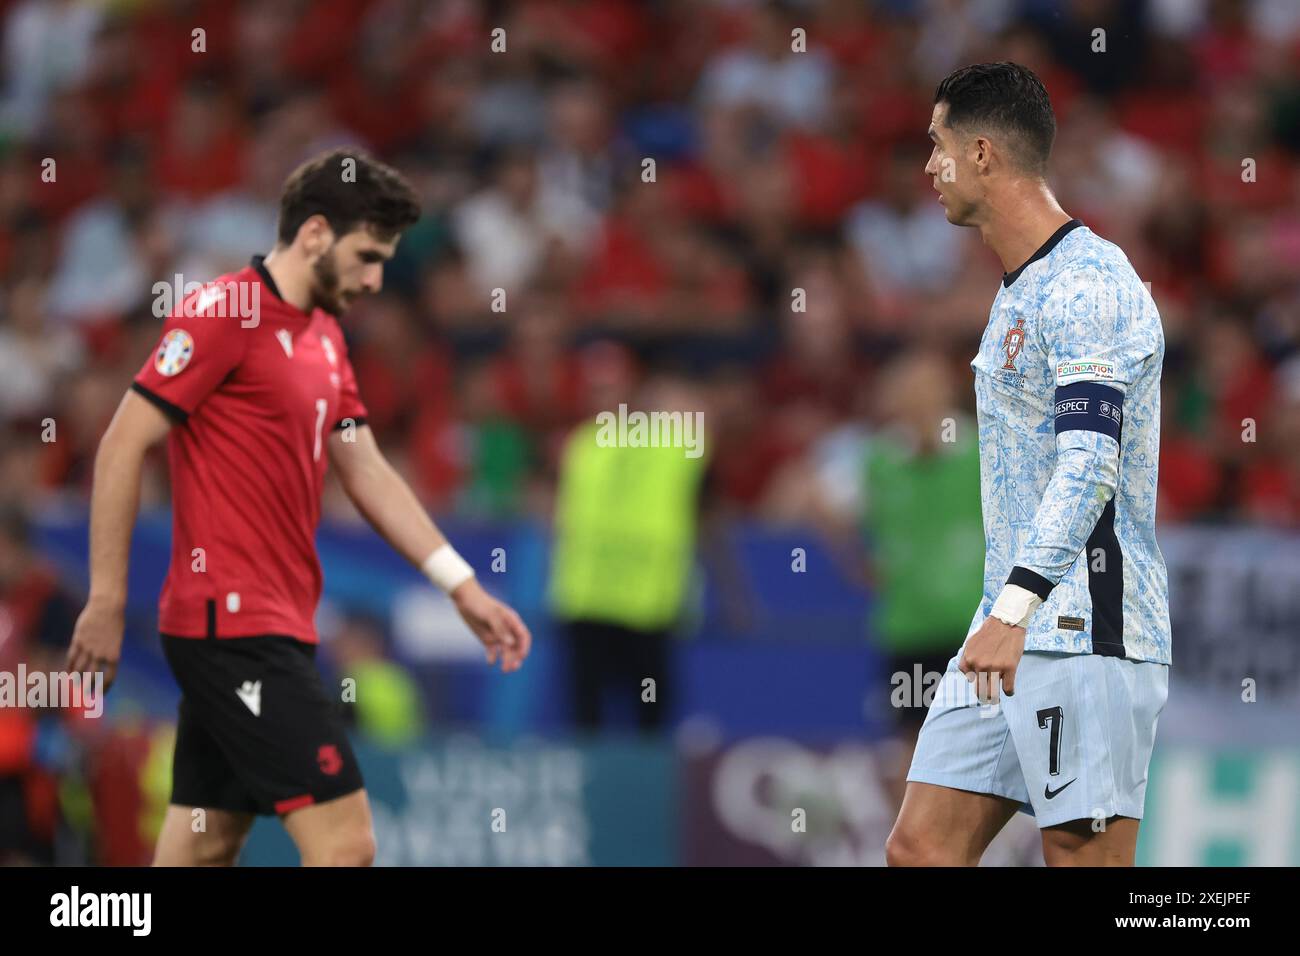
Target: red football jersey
x: 255, y: 386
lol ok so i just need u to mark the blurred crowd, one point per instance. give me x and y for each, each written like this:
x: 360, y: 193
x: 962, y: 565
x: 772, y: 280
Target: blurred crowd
x: 782, y: 248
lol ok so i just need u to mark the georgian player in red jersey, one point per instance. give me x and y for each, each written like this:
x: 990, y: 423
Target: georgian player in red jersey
x: 252, y: 385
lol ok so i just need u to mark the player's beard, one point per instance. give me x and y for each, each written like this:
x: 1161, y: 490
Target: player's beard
x: 325, y: 293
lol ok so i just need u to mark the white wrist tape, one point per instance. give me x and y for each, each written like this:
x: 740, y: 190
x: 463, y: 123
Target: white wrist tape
x: 1015, y: 605
x: 447, y: 569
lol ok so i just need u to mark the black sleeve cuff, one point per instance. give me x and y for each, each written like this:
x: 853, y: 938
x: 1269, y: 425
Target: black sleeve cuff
x: 1030, y: 581
x: 174, y: 412
x: 356, y: 422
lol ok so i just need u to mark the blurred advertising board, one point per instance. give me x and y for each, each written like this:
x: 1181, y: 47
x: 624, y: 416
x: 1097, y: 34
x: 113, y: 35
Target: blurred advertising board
x: 460, y: 801
x: 1222, y: 808
x: 1234, y: 601
x: 773, y: 801
x: 777, y: 801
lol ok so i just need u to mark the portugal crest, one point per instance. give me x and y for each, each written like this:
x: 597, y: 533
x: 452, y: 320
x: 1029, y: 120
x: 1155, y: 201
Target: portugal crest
x: 1014, y: 343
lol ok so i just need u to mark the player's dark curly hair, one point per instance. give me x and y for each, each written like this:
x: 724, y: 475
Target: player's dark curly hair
x: 362, y: 192
x: 1007, y: 97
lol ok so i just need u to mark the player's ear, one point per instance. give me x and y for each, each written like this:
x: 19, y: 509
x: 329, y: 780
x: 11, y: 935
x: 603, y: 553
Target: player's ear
x: 316, y: 235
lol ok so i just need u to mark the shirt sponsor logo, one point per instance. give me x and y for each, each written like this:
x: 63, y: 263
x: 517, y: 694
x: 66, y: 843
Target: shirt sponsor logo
x: 1084, y: 370
x: 174, y: 352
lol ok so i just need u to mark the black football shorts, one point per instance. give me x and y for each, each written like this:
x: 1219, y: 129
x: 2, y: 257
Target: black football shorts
x: 257, y: 733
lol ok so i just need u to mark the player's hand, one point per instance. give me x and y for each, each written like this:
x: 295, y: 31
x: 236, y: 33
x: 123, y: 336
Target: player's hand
x: 990, y: 658
x: 97, y: 640
x: 497, y: 625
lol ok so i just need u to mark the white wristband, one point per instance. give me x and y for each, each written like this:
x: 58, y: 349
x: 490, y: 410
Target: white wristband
x: 447, y: 569
x: 1015, y: 605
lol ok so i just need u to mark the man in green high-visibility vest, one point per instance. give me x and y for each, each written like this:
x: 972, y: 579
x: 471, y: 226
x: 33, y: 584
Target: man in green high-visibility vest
x: 925, y: 535
x: 626, y: 516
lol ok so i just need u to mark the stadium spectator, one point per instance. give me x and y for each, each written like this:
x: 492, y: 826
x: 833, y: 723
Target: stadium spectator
x: 36, y: 619
x: 383, y: 701
x: 626, y: 518
x: 925, y: 534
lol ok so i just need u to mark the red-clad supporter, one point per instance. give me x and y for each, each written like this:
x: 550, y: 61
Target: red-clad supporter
x: 1271, y: 482
x: 538, y: 379
x: 204, y: 149
x: 399, y: 370
x: 171, y: 124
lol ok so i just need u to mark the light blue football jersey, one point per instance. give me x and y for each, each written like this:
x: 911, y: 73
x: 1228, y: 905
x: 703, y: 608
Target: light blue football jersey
x: 1067, y: 386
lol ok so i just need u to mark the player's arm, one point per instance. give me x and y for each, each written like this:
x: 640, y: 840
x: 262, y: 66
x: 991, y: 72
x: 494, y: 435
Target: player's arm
x: 386, y: 501
x: 115, y: 498
x: 1097, y: 351
x: 195, y: 354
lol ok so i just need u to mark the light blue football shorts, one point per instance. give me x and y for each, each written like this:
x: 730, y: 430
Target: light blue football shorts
x: 1073, y: 742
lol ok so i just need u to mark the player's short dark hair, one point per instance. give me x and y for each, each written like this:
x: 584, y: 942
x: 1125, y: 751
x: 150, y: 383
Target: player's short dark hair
x: 1007, y: 97
x: 371, y: 194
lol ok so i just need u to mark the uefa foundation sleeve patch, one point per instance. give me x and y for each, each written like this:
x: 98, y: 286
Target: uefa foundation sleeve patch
x: 174, y: 352
x: 1084, y: 370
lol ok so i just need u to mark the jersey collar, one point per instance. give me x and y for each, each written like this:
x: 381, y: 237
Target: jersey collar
x: 1043, y: 250
x: 258, y: 264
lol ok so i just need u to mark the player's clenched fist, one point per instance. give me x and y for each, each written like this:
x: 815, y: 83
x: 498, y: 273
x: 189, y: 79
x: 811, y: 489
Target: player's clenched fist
x: 990, y: 658
x: 97, y: 641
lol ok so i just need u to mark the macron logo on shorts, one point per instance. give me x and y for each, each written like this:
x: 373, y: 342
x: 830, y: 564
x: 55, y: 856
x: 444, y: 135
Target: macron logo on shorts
x: 251, y: 694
